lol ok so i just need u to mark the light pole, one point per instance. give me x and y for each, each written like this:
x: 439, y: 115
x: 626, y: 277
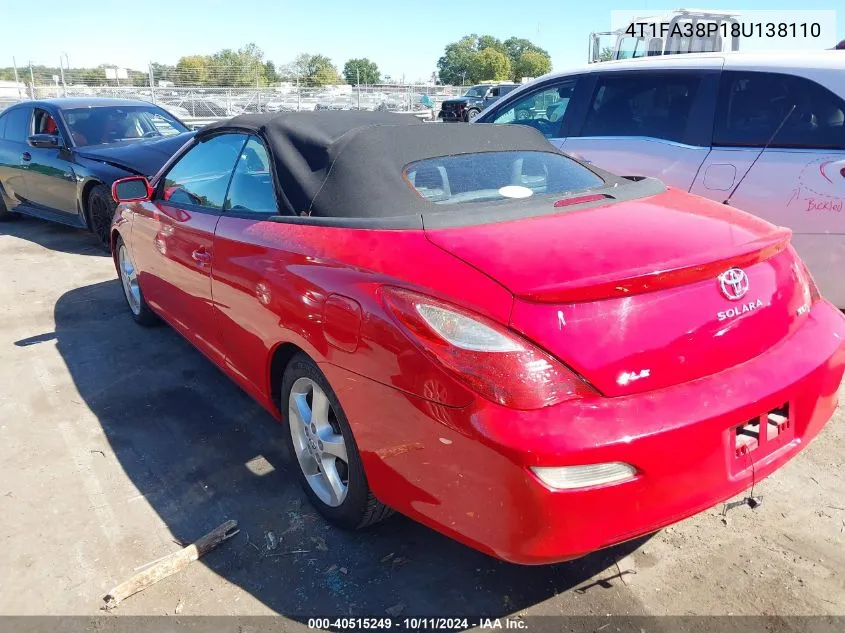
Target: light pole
x: 358, y: 79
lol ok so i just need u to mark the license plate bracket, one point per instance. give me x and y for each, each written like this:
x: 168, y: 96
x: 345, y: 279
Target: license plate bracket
x: 760, y: 436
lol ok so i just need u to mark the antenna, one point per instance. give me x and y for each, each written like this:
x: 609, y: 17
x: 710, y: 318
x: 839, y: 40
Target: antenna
x: 727, y: 200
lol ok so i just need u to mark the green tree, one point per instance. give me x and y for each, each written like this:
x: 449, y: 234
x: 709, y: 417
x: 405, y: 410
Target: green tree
x: 491, y: 65
x: 270, y: 72
x: 326, y: 76
x: 455, y: 67
x: 531, y: 64
x: 460, y: 62
x: 315, y: 69
x: 515, y: 47
x: 362, y: 70
x: 244, y: 67
x: 163, y: 72
x: 488, y: 41
x: 93, y: 76
x: 192, y: 70
x: 606, y: 54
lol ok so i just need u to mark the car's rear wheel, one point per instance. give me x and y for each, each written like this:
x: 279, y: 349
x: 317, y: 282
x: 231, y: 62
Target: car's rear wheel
x: 323, y: 450
x: 101, y: 208
x: 141, y: 312
x: 472, y: 113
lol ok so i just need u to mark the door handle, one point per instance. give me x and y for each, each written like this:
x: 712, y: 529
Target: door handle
x: 201, y: 256
x: 26, y: 156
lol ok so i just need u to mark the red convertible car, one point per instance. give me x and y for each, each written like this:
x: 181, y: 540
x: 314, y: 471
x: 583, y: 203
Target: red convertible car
x: 526, y: 353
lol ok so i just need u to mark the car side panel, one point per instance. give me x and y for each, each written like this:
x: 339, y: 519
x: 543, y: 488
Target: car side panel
x: 674, y: 162
x: 271, y: 282
x: 52, y: 180
x: 12, y: 171
x: 173, y: 252
x: 800, y: 189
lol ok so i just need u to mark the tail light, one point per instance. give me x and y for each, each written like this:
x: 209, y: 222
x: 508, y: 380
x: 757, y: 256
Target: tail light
x: 493, y: 361
x: 808, y: 284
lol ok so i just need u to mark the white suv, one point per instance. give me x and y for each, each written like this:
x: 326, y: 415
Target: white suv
x: 699, y: 121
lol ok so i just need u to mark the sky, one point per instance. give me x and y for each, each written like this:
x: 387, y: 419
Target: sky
x: 404, y: 38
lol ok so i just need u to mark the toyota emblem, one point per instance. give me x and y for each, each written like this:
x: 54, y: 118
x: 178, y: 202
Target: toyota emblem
x: 734, y: 283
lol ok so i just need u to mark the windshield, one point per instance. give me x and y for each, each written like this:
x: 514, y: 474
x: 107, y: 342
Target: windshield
x: 100, y: 125
x: 477, y: 91
x: 492, y: 176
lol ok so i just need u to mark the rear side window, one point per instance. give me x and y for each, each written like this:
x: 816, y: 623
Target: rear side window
x: 492, y: 176
x: 17, y: 125
x: 543, y: 109
x: 201, y: 177
x: 251, y: 190
x: 752, y: 105
x: 44, y: 123
x: 638, y: 104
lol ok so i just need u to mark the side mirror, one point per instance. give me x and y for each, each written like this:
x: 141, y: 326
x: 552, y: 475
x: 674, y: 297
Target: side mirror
x: 131, y: 189
x: 43, y: 140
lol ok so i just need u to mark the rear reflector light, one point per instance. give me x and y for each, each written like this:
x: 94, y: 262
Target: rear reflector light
x: 493, y: 361
x: 569, y: 477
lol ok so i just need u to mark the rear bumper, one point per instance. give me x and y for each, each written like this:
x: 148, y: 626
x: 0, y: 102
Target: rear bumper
x: 465, y: 472
x: 452, y: 115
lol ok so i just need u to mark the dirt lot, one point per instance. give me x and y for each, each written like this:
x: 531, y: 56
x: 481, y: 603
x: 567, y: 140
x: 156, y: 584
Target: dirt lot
x: 117, y: 442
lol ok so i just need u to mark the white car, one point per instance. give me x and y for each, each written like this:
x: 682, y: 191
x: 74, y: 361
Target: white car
x: 700, y: 121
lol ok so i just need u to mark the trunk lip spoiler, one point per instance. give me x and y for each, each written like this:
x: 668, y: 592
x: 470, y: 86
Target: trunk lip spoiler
x: 665, y: 275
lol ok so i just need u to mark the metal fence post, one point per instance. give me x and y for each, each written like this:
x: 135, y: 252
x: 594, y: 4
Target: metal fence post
x: 152, y: 83
x: 62, y: 74
x: 17, y: 81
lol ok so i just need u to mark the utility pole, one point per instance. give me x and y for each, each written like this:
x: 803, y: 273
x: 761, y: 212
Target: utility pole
x: 31, y: 80
x: 17, y: 81
x: 358, y: 77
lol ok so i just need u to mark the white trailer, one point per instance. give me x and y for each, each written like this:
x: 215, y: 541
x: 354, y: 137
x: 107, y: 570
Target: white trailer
x: 680, y: 31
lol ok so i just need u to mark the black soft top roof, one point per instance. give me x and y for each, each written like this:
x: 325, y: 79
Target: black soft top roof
x: 350, y: 164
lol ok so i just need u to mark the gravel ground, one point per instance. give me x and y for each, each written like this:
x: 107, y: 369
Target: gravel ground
x: 118, y: 443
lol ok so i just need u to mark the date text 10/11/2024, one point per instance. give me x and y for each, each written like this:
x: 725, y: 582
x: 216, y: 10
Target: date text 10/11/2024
x: 415, y: 624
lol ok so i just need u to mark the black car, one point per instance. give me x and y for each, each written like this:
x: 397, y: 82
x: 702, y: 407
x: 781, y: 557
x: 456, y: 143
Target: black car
x: 59, y: 157
x: 477, y: 98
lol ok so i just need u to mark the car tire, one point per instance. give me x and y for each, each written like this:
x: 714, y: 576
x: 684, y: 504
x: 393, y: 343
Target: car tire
x: 100, y: 211
x: 128, y: 275
x: 472, y: 113
x: 317, y: 438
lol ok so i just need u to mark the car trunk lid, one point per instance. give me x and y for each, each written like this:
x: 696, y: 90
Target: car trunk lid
x: 629, y: 294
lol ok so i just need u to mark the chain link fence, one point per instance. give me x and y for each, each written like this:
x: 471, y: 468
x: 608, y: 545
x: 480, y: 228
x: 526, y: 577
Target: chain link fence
x: 180, y: 94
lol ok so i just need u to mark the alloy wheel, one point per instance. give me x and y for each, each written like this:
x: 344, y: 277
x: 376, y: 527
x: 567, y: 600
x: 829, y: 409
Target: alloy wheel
x: 129, y: 280
x: 318, y: 442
